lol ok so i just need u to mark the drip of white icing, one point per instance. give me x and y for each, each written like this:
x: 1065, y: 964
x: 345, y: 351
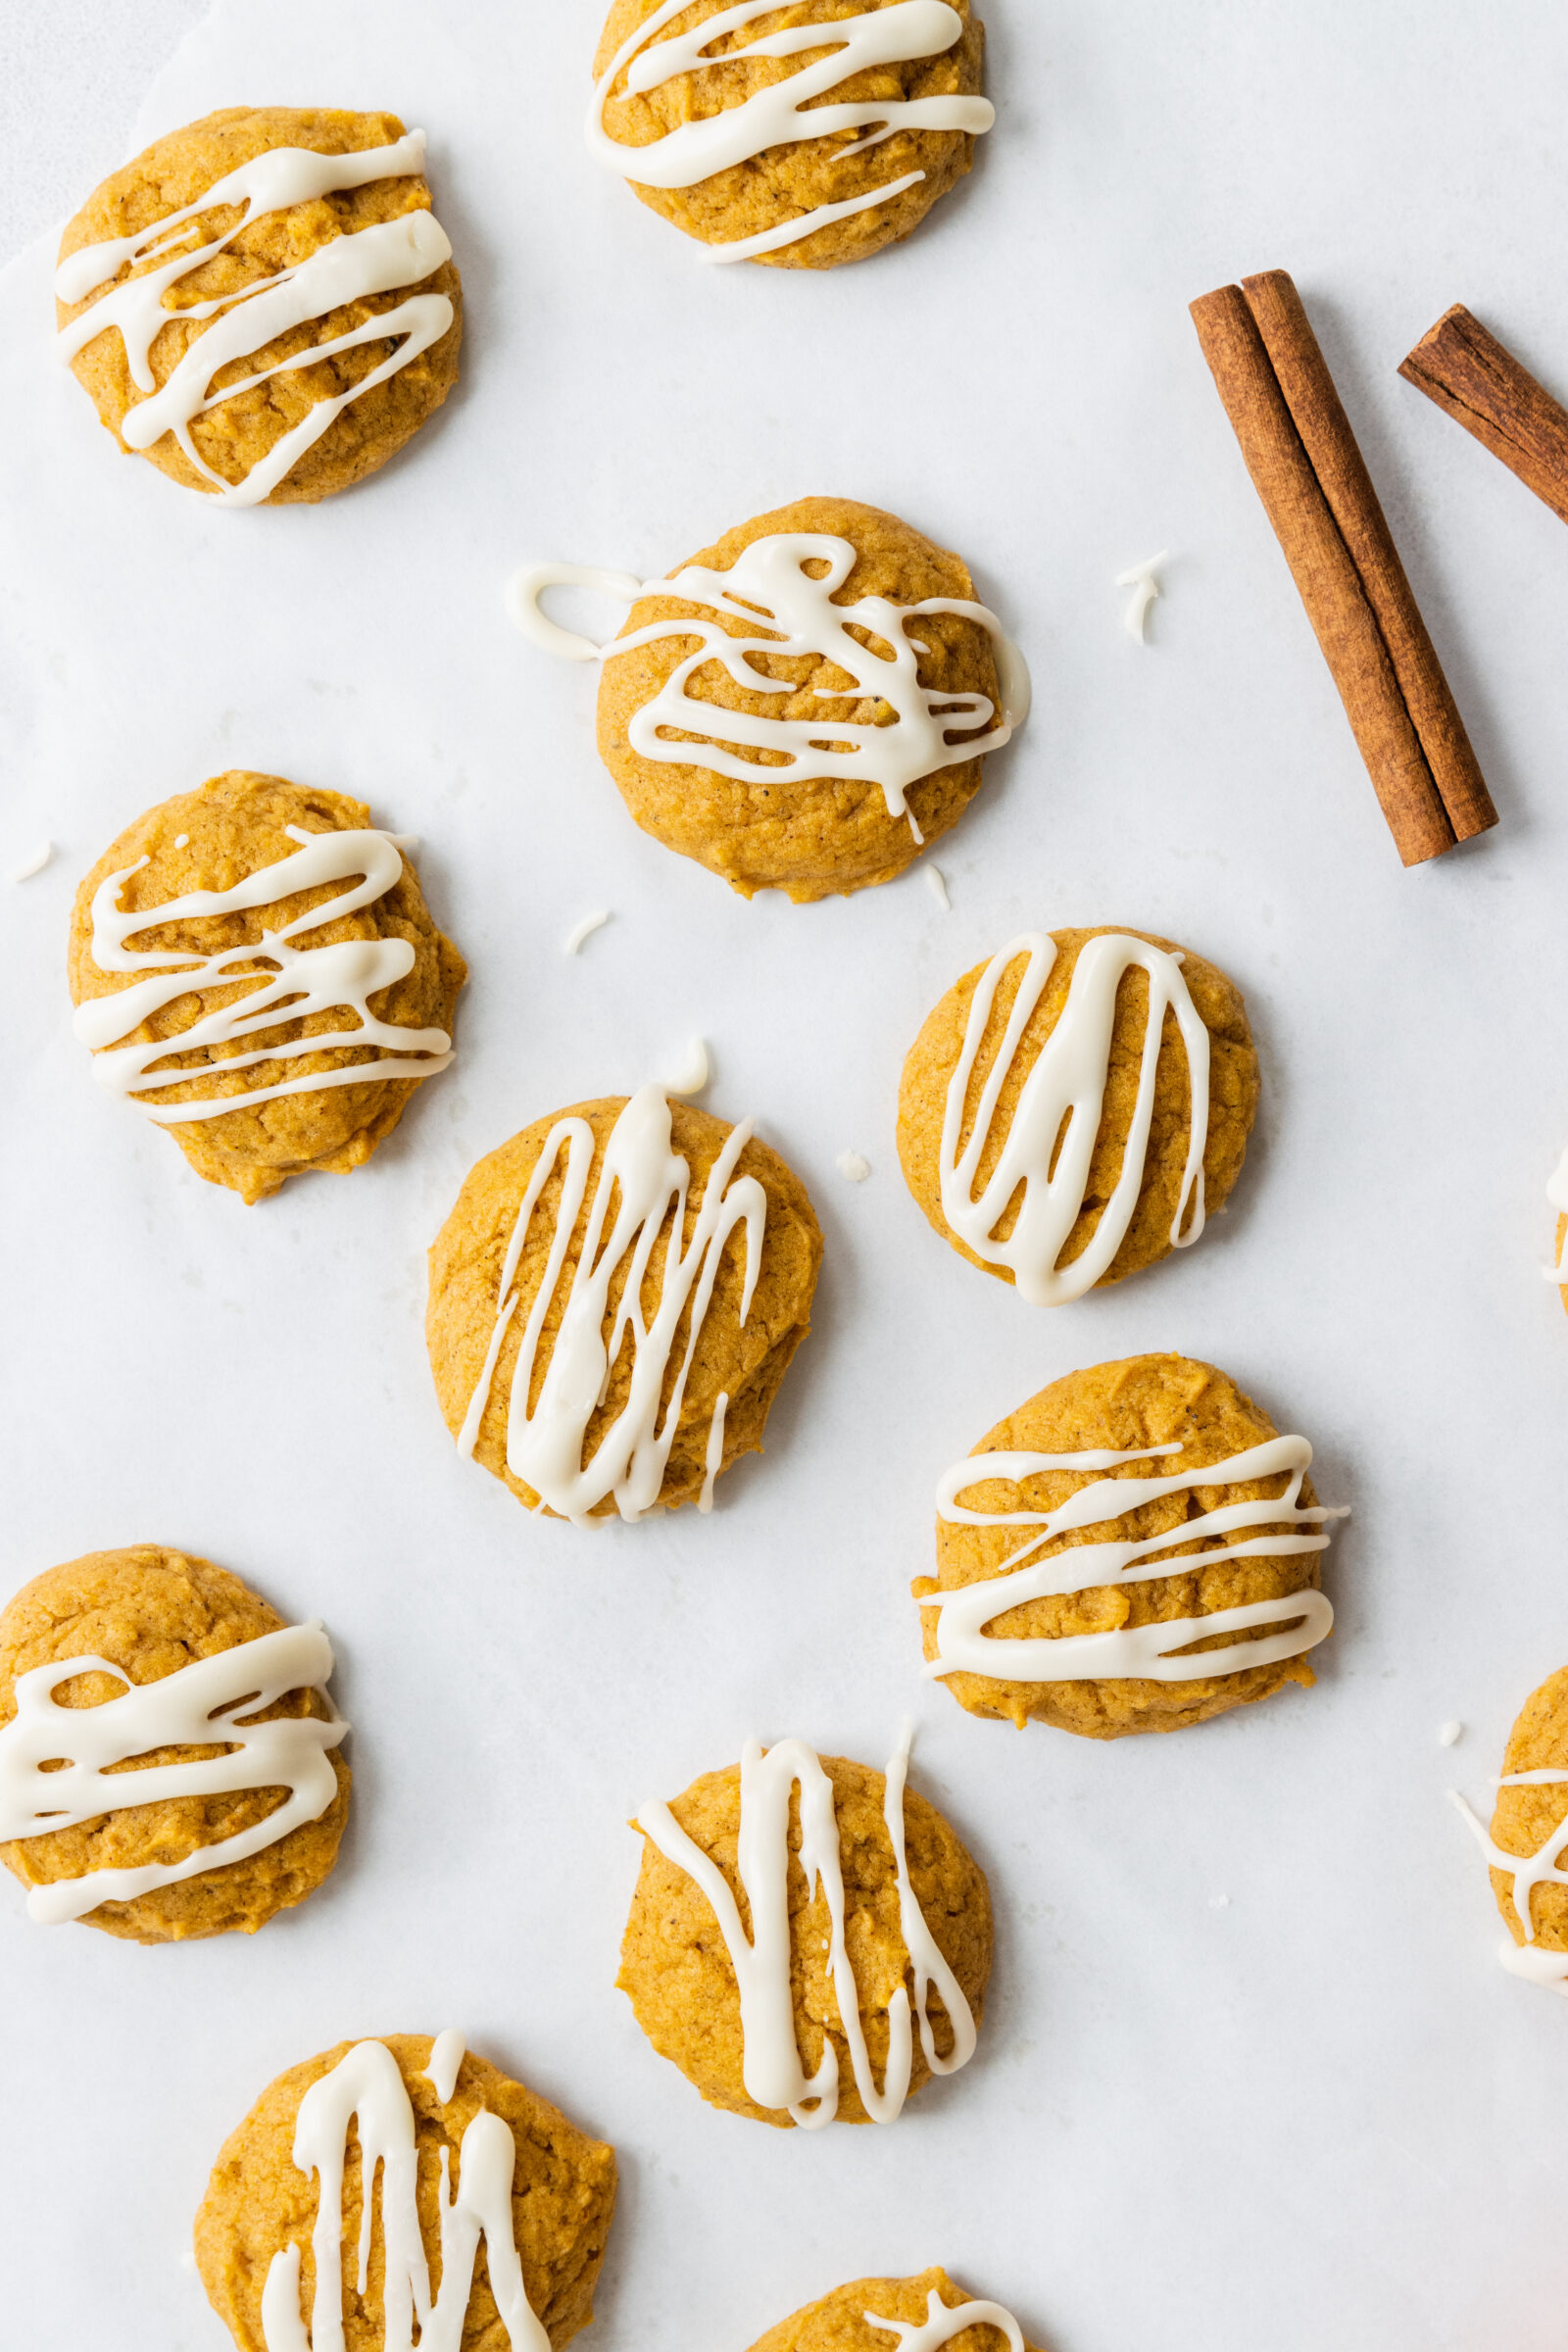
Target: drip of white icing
x: 200, y: 1705
x: 338, y: 976
x: 1048, y: 1148
x: 34, y: 863
x: 1449, y: 1734
x: 1141, y: 1651
x: 1558, y: 1194
x: 647, y: 1179
x: 694, y: 1072
x: 585, y: 930
x: 365, y: 2089
x: 371, y: 261
x: 1525, y: 1873
x: 854, y: 1165
x: 782, y: 111
x: 789, y: 613
x: 771, y: 2068
x: 714, y: 1461
x: 447, y: 2053
x: 942, y: 2322
x: 937, y: 883
x: 1140, y: 578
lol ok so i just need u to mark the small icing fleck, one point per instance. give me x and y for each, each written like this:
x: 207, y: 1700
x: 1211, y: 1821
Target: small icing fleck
x: 936, y: 882
x: 181, y: 840
x: 694, y: 1073
x: 1449, y: 1734
x: 590, y: 924
x: 1219, y: 1902
x: 853, y: 1166
x: 1140, y: 578
x: 34, y: 863
x: 447, y: 2053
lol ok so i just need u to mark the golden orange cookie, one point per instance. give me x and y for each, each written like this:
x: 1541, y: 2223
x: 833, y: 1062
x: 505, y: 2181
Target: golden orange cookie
x: 846, y: 2319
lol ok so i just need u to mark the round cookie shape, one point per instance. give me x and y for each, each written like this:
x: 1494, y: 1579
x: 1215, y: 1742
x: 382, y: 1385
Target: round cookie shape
x: 1072, y: 1110
x: 521, y: 2254
x: 238, y: 865
x: 862, y: 1904
x: 1529, y: 1838
x: 1051, y: 1602
x: 530, y: 1317
x: 264, y: 304
x: 150, y: 1613
x: 708, y: 132
x: 897, y: 2314
x: 837, y: 783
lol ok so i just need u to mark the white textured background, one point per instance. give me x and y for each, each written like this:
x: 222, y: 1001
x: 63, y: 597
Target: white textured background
x: 1321, y: 2115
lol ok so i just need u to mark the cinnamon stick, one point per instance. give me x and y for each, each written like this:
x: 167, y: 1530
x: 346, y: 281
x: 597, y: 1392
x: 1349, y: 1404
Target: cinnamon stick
x: 1480, y: 383
x: 1316, y: 491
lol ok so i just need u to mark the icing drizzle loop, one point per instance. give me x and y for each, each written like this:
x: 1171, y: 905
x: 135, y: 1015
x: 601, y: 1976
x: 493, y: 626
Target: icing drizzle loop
x: 942, y: 2322
x: 1142, y: 1652
x: 647, y: 1180
x: 340, y: 975
x: 771, y: 2068
x: 784, y: 111
x: 1048, y: 1150
x: 1525, y: 1874
x: 366, y: 2090
x: 789, y: 613
x: 213, y: 1699
x: 350, y: 268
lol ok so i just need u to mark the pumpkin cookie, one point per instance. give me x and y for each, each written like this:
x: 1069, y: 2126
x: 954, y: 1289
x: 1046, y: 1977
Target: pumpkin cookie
x: 1528, y: 1839
x: 264, y: 304
x: 487, y: 2209
x: 1072, y: 1110
x: 897, y: 2314
x: 130, y: 1665
x: 709, y: 129
x: 888, y: 684
x: 254, y: 966
x: 859, y: 1967
x: 1134, y: 1550
x: 575, y: 1392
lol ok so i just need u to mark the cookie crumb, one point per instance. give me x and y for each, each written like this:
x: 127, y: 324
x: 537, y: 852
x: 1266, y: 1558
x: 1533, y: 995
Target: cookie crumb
x: 694, y: 1072
x: 1449, y: 1734
x: 936, y: 884
x: 1140, y: 578
x: 584, y: 930
x: 33, y: 863
x: 852, y: 1165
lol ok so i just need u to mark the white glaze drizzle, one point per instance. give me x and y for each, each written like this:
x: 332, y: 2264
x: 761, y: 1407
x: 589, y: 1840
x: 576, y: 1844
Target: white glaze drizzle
x: 377, y: 259
x: 199, y: 1705
x: 1140, y: 578
x: 1449, y: 1734
x: 783, y: 112
x: 584, y: 930
x: 787, y: 613
x: 853, y: 1166
x: 646, y: 1178
x: 771, y: 2068
x: 1525, y: 1873
x: 715, y: 1461
x: 695, y: 1072
x: 1142, y: 1652
x: 942, y: 2322
x: 1066, y: 1086
x: 34, y: 862
x: 367, y: 2089
x: 936, y: 882
x: 341, y: 976
x: 1558, y: 1194
x: 447, y: 2053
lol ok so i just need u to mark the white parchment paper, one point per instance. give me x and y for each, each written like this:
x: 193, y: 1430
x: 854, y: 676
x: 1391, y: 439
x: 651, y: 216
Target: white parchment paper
x: 1249, y: 2073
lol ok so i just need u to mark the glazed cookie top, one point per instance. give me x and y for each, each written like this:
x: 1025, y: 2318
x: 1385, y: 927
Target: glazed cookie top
x: 917, y: 2314
x: 487, y: 2226
x: 255, y: 967
x: 1072, y: 1110
x: 859, y: 1966
x: 803, y: 704
x: 1134, y: 1550
x: 708, y: 126
x: 123, y: 1661
x: 1529, y: 1837
x: 613, y: 1301
x: 264, y: 302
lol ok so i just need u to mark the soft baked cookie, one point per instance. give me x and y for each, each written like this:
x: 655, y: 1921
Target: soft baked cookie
x: 897, y: 2314
x: 863, y: 1949
x: 708, y: 131
x: 347, y: 335
x: 531, y: 1270
x: 224, y: 882
x: 519, y: 2255
x: 1052, y: 1598
x: 1057, y: 1136
x: 126, y: 1663
x: 892, y: 682
x: 1529, y: 1838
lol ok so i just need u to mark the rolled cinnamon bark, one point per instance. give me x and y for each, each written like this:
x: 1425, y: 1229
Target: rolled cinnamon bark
x: 1316, y: 491
x: 1480, y: 383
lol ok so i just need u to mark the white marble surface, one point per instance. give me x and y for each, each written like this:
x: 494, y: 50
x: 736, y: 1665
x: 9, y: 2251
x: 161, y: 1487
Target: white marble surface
x: 1316, y: 2114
